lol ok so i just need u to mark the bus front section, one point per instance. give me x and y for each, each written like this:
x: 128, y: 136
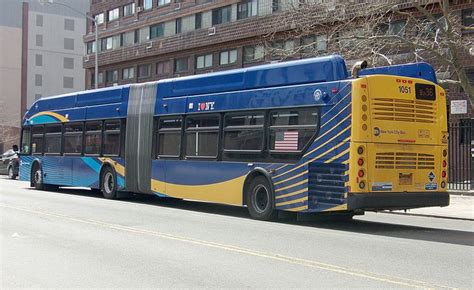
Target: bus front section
x: 398, y: 151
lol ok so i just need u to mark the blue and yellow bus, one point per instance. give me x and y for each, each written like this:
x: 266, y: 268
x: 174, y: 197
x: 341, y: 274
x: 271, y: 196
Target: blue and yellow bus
x: 301, y: 136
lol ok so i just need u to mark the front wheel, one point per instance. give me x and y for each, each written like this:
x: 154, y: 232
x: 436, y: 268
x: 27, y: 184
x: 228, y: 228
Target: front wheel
x: 109, y: 184
x: 11, y: 173
x: 260, y: 199
x: 37, y: 177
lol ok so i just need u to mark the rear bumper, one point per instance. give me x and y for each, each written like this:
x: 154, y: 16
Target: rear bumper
x: 396, y: 200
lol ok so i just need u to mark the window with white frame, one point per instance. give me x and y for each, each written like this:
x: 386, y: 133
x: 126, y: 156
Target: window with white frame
x: 163, y: 2
x: 113, y: 14
x: 128, y: 73
x: 129, y: 9
x: 204, y: 61
x: 100, y: 18
x: 228, y: 57
x: 247, y: 9
x: 147, y: 4
x: 253, y: 53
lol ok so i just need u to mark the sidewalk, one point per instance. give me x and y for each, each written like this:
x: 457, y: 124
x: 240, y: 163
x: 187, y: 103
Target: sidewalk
x: 460, y: 207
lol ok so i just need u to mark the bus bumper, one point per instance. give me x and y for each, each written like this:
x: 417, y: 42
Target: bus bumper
x: 396, y: 200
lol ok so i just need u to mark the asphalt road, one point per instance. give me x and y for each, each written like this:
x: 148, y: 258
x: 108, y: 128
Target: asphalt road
x: 75, y: 238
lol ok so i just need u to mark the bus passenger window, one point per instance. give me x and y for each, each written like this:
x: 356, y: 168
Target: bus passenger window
x: 52, y: 139
x: 73, y: 138
x: 202, y: 136
x: 93, y: 137
x: 244, y: 132
x: 25, y: 141
x: 169, y: 137
x: 37, y: 140
x: 292, y: 129
x: 112, y: 137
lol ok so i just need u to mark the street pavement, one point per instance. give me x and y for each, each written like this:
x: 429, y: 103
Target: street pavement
x: 75, y: 238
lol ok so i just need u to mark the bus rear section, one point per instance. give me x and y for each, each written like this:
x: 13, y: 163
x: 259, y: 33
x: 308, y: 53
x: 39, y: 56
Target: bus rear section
x: 399, y: 144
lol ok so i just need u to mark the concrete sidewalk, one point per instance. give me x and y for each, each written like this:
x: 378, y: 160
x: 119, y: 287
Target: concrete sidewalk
x: 460, y: 207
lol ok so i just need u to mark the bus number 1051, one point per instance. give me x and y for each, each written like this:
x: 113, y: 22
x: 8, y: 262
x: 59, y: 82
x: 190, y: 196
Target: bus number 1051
x: 405, y: 89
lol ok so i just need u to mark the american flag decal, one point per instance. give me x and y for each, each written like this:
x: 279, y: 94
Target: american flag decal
x: 286, y: 141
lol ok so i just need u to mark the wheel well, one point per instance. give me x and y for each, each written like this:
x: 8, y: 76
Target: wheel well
x: 250, y: 177
x: 106, y: 165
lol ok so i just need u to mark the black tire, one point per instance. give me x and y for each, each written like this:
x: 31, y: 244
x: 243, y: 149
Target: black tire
x: 37, y: 177
x: 109, y: 183
x: 11, y: 173
x: 261, y: 199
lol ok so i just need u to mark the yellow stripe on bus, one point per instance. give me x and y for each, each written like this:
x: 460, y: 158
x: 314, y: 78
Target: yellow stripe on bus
x: 293, y: 193
x: 292, y: 185
x: 290, y: 178
x: 292, y: 201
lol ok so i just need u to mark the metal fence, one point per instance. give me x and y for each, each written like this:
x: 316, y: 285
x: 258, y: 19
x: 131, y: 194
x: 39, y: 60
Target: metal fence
x: 461, y: 155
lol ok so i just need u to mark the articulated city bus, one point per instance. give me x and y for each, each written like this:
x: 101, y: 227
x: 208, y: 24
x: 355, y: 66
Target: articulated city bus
x: 300, y: 136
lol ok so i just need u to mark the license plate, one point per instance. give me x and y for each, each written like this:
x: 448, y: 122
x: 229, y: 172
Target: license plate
x: 405, y: 178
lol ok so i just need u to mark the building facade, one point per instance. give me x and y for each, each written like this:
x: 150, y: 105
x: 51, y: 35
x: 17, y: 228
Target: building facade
x: 41, y: 55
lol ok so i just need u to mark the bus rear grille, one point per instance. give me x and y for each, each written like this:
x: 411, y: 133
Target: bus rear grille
x: 403, y: 110
x: 404, y: 160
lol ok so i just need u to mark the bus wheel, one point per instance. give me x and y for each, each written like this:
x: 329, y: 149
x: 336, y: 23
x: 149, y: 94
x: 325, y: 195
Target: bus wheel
x: 260, y: 199
x: 37, y: 177
x: 109, y: 184
x: 11, y: 174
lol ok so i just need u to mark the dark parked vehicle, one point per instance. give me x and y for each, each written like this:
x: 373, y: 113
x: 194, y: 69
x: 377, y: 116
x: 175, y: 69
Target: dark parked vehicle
x: 10, y: 163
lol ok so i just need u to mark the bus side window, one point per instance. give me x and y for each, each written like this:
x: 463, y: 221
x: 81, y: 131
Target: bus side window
x: 73, y: 138
x: 244, y: 132
x: 112, y: 137
x: 202, y: 136
x: 52, y: 139
x: 291, y: 130
x: 93, y: 138
x: 37, y: 139
x: 169, y: 136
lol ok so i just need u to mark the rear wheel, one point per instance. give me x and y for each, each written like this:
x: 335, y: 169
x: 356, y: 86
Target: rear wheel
x: 109, y: 184
x: 260, y: 199
x: 37, y: 177
x: 11, y: 173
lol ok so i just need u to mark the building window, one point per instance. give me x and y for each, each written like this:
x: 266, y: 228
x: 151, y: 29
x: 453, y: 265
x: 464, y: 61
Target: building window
x: 113, y: 14
x: 91, y: 47
x: 69, y: 43
x: 253, y: 53
x: 468, y: 17
x: 73, y: 138
x: 38, y: 80
x: 228, y: 57
x: 204, y: 61
x: 39, y: 60
x: 163, y: 67
x: 147, y: 4
x: 111, y: 42
x: 52, y: 139
x: 112, y: 137
x: 181, y: 65
x: 313, y: 43
x: 178, y: 25
x: 198, y: 20
x: 397, y: 27
x: 169, y: 137
x: 144, y: 70
x: 111, y: 76
x: 143, y: 34
x: 244, y: 132
x: 68, y: 82
x: 163, y: 2
x: 93, y: 138
x: 281, y: 48
x: 276, y: 5
x: 221, y: 15
x: 292, y: 129
x: 68, y: 63
x: 69, y: 24
x: 100, y: 18
x: 202, y: 136
x: 129, y: 9
x: 39, y: 40
x: 128, y: 38
x: 39, y: 20
x: 128, y: 73
x: 157, y: 30
x: 247, y: 9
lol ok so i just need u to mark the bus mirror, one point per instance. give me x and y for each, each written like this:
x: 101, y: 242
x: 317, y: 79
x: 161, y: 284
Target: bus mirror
x: 357, y: 67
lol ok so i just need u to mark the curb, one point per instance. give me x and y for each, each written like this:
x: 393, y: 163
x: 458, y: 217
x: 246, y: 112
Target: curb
x: 430, y: 216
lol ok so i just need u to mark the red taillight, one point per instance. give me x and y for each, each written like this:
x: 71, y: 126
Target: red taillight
x: 443, y: 174
x: 361, y: 173
x: 444, y: 163
x: 360, y: 161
